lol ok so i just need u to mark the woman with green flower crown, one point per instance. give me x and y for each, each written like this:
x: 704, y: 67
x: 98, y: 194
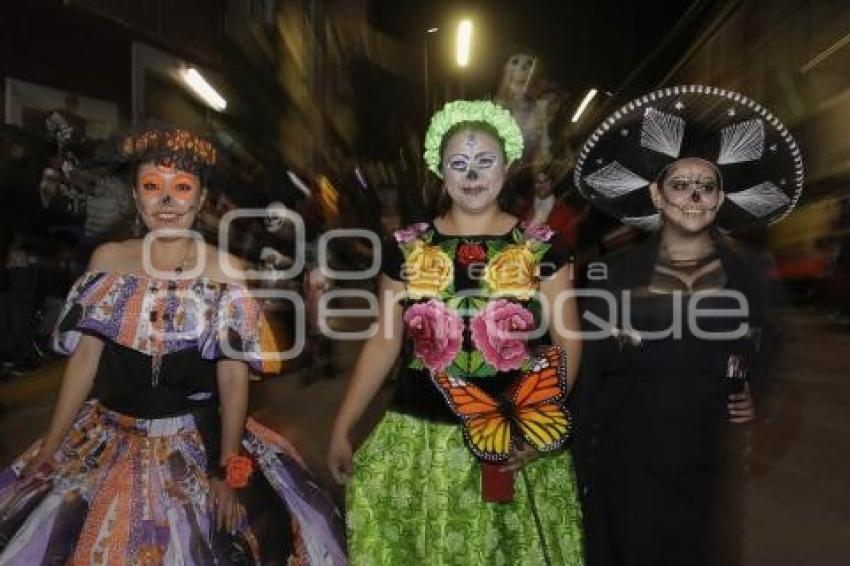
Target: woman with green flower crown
x: 468, y: 466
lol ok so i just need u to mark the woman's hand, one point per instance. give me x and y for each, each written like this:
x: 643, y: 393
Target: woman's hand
x: 740, y: 407
x: 43, y: 457
x: 520, y: 457
x: 340, y: 458
x: 224, y: 504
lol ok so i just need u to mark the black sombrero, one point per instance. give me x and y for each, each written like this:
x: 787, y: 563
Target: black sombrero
x: 759, y: 163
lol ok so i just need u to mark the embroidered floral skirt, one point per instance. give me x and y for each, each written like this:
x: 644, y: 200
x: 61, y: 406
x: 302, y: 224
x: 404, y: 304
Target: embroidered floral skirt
x: 134, y: 491
x: 415, y: 498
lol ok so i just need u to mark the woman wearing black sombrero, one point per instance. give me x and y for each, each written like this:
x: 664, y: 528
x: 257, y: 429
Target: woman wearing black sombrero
x: 681, y: 321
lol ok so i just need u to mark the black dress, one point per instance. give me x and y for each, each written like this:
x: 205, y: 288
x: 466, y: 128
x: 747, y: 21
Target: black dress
x: 658, y: 461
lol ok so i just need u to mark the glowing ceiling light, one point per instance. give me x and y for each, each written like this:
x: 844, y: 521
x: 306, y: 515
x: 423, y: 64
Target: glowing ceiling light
x: 204, y: 89
x: 464, y: 42
x: 583, y: 106
x: 433, y: 30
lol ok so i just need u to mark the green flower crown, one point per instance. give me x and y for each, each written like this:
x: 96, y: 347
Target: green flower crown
x: 459, y: 111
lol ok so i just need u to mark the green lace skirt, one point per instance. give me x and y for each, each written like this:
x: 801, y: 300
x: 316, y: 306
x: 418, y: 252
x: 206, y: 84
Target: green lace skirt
x: 415, y: 498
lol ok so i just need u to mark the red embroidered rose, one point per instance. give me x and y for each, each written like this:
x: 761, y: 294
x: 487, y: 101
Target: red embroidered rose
x: 239, y: 469
x: 470, y: 253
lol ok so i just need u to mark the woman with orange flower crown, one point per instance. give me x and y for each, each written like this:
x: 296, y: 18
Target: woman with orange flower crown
x: 161, y: 466
x: 469, y: 465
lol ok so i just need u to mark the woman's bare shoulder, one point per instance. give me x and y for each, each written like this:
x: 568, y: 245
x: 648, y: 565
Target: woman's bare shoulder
x: 115, y: 256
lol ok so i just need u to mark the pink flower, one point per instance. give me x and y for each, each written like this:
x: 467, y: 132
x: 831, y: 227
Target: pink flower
x: 437, y: 333
x: 539, y: 232
x: 406, y: 235
x: 494, y: 332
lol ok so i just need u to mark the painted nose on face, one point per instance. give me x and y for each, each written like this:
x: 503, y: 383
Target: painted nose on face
x: 166, y: 200
x: 696, y: 196
x: 472, y: 175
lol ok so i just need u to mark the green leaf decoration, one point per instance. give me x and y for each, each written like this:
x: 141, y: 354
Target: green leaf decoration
x: 527, y: 365
x: 476, y: 360
x: 416, y: 363
x: 456, y: 303
x: 449, y: 247
x: 461, y: 362
x: 518, y: 236
x: 428, y: 236
x: 486, y: 370
x: 494, y: 247
x: 539, y: 254
x: 536, y: 246
x: 535, y: 308
x: 478, y: 303
x: 448, y: 293
x: 455, y: 371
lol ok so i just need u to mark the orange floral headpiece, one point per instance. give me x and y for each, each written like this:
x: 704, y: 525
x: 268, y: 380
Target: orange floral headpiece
x: 175, y: 147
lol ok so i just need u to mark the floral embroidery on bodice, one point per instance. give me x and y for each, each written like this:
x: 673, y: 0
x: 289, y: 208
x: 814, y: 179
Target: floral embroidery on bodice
x: 472, y: 300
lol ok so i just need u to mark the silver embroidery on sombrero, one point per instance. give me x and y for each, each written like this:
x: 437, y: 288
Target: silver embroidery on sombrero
x: 650, y: 223
x: 779, y: 162
x: 760, y: 200
x: 741, y: 142
x: 615, y: 180
x: 662, y: 132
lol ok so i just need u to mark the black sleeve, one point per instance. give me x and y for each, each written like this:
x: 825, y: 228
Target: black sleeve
x: 558, y: 254
x: 392, y: 260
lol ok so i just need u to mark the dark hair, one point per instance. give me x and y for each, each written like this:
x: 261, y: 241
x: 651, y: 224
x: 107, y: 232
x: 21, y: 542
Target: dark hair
x: 509, y: 200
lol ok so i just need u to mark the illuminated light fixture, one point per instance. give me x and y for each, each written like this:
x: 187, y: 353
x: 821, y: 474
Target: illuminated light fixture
x: 433, y: 30
x: 204, y: 89
x: 299, y: 184
x: 583, y: 106
x: 464, y: 42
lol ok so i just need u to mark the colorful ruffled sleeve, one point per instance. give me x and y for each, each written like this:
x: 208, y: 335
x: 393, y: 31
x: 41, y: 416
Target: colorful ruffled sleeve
x: 240, y: 330
x: 79, y: 314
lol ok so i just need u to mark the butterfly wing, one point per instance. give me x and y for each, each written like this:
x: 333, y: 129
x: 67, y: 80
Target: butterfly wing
x: 538, y: 411
x: 486, y: 430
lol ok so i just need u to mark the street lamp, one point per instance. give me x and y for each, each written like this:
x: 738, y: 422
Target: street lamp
x: 463, y: 43
x: 204, y: 89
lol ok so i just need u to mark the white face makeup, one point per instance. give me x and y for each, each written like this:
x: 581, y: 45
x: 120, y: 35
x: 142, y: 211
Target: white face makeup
x: 167, y: 198
x: 689, y: 196
x: 473, y: 169
x: 517, y: 72
x: 274, y: 218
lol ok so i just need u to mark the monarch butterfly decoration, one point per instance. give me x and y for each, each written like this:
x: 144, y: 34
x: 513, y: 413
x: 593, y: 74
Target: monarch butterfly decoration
x: 532, y: 411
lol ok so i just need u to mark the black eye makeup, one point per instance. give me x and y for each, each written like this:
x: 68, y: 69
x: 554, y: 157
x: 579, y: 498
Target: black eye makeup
x: 705, y: 185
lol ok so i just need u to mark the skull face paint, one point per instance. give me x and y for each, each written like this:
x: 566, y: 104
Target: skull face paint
x: 167, y: 197
x: 473, y: 169
x: 517, y: 73
x: 274, y: 218
x: 689, y: 195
